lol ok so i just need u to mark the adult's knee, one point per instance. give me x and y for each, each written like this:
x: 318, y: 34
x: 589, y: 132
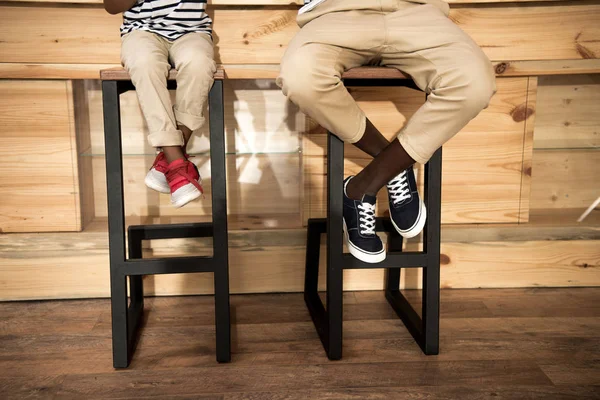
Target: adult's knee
x: 479, y: 85
x: 298, y: 81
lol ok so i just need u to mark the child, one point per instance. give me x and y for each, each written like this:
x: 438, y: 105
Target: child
x: 155, y: 35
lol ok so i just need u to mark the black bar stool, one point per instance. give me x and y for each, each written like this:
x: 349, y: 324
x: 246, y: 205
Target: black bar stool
x: 126, y: 319
x: 424, y: 329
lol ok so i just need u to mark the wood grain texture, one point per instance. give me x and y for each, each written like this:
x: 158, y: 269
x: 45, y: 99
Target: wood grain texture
x: 531, y: 108
x: 565, y: 179
x: 568, y: 112
x: 81, y: 120
x: 490, y: 349
x: 73, y: 265
x: 52, y: 71
x: 482, y: 165
x: 73, y: 93
x: 120, y: 74
x: 39, y: 179
x: 548, y: 67
x: 260, y: 35
x: 270, y: 71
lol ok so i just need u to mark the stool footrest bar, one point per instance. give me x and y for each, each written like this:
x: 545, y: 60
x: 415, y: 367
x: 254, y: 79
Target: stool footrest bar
x: 172, y: 265
x: 171, y: 231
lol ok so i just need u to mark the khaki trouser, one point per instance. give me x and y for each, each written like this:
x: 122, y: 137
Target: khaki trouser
x: 416, y: 38
x: 148, y: 58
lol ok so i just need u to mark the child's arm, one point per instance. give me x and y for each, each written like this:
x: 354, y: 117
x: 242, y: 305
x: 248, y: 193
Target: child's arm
x: 118, y: 6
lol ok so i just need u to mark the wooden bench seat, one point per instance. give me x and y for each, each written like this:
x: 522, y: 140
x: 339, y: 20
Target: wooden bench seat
x: 270, y: 71
x: 120, y: 74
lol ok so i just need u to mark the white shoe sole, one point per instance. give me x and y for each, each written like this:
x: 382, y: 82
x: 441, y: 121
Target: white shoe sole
x: 184, y: 195
x: 362, y: 255
x: 418, y: 225
x: 157, y: 181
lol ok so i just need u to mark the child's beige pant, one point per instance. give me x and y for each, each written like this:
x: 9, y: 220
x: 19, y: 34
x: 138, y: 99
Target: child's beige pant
x: 416, y: 38
x: 148, y: 58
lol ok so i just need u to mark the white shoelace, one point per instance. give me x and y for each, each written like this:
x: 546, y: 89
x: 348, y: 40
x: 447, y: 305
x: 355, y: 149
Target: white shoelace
x: 366, y: 218
x: 398, y: 188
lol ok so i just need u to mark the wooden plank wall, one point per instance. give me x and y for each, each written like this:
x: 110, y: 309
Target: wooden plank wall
x: 74, y: 265
x: 38, y: 157
x: 538, y: 136
x: 566, y: 161
x: 265, y: 259
x: 84, y: 35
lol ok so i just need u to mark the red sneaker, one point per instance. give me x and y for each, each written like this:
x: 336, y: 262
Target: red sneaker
x: 155, y: 178
x: 184, y: 180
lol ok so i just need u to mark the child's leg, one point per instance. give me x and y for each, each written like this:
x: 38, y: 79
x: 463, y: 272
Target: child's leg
x: 145, y: 56
x: 192, y: 55
x: 187, y: 134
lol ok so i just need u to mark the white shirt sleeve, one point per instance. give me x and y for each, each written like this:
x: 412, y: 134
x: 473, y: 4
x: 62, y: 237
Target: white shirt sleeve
x: 309, y: 5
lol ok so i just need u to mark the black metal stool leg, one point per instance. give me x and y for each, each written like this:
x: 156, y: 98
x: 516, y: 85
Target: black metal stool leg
x: 120, y: 321
x: 136, y: 284
x: 392, y: 275
x: 219, y: 213
x: 431, y: 244
x: 335, y: 268
x: 116, y: 223
x: 136, y: 291
x: 313, y: 252
x: 311, y: 279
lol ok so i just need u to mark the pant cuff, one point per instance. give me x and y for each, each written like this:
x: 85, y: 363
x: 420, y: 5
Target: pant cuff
x: 166, y: 138
x: 191, y: 121
x: 361, y: 131
x: 419, y: 158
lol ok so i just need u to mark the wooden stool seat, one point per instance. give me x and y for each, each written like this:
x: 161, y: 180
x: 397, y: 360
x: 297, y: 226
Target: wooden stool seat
x: 121, y: 74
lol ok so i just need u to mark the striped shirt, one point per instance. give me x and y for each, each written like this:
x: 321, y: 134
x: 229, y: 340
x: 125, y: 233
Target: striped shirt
x: 170, y: 19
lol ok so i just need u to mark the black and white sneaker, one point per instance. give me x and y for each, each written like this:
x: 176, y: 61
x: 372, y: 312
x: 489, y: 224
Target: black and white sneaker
x: 359, y: 228
x: 407, y: 211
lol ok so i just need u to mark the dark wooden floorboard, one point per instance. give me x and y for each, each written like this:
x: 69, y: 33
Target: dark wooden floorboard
x: 495, y: 344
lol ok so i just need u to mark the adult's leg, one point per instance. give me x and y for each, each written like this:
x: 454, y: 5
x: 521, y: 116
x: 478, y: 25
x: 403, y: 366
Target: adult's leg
x: 372, y: 142
x: 145, y: 56
x: 314, y: 62
x: 446, y: 64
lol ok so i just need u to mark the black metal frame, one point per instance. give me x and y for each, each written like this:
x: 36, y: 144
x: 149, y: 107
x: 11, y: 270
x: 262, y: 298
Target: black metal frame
x: 126, y: 319
x: 328, y: 322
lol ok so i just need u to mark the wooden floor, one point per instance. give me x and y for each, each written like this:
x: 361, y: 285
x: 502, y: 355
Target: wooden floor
x: 497, y: 344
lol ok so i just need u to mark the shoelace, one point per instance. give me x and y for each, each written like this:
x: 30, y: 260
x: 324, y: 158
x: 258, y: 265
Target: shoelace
x: 366, y: 218
x: 159, y: 158
x: 398, y: 188
x: 182, y: 171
